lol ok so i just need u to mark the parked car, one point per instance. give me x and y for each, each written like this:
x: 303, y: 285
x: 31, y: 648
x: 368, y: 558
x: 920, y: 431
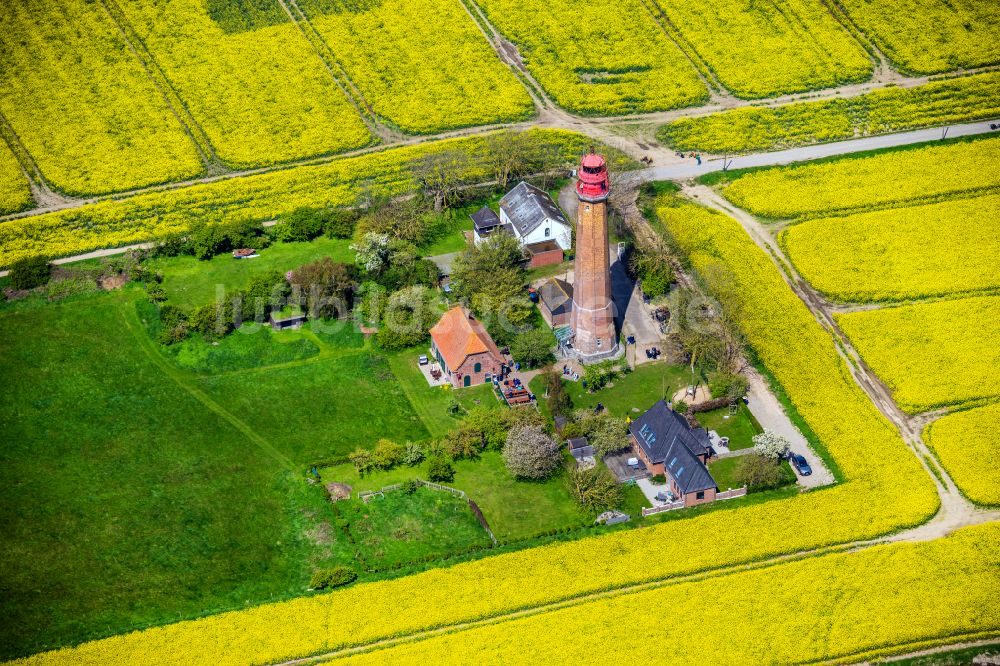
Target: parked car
x: 801, y: 465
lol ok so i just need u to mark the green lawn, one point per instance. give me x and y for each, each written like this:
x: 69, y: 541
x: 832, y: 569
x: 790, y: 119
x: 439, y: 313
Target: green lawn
x: 249, y: 347
x: 398, y: 528
x: 740, y: 428
x: 431, y: 402
x: 630, y: 394
x: 190, y: 282
x: 514, y: 509
x: 725, y: 472
x: 322, y: 408
x: 125, y: 499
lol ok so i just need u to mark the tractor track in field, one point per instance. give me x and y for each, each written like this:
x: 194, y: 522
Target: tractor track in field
x: 955, y: 510
x: 550, y: 116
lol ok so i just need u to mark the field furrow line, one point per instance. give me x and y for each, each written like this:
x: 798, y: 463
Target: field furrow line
x: 325, y: 53
x: 213, y: 164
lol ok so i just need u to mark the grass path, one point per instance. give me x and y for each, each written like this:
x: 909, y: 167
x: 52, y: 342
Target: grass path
x: 185, y: 382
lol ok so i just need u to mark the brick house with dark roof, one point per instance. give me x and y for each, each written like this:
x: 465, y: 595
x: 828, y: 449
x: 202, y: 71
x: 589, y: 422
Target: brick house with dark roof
x: 466, y: 352
x: 668, y: 445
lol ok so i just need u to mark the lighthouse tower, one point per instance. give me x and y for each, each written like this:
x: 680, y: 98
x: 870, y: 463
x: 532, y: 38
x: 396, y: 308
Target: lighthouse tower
x: 593, y: 319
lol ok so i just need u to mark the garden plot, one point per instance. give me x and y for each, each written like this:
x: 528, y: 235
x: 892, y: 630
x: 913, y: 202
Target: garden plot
x: 968, y: 445
x: 929, y: 37
x: 770, y: 49
x: 598, y: 58
x: 255, y: 86
x: 870, y: 181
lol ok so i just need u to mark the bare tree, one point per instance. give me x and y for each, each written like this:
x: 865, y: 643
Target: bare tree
x: 509, y: 155
x: 442, y: 176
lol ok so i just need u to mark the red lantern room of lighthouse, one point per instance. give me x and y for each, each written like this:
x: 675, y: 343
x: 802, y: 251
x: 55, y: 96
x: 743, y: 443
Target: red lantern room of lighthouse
x: 593, y: 320
x: 592, y: 182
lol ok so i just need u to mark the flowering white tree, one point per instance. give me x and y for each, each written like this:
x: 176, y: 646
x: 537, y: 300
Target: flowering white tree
x: 530, y: 453
x: 373, y: 251
x: 771, y: 445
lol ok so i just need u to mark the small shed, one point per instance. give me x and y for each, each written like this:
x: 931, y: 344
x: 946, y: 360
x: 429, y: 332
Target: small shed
x: 580, y: 448
x: 556, y: 302
x: 543, y: 253
x: 287, y: 319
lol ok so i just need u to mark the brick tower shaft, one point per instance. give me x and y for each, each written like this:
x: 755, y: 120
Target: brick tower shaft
x: 593, y: 319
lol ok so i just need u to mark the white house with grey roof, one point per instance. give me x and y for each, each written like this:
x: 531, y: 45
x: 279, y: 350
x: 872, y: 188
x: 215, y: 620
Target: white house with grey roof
x: 530, y: 214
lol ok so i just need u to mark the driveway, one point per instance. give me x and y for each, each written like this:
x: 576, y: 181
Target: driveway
x: 771, y: 416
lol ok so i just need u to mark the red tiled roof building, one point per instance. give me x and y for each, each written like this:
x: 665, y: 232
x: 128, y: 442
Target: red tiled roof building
x: 466, y: 352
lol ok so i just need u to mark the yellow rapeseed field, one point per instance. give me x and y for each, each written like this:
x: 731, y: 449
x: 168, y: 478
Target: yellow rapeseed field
x: 968, y: 445
x: 883, y: 489
x: 882, y: 111
x: 258, y: 197
x: 937, y: 249
x: 424, y: 66
x: 15, y: 194
x: 930, y: 36
x: 864, y: 182
x: 82, y: 104
x: 931, y: 354
x: 603, y: 57
x: 262, y: 95
x: 769, y: 49
x: 861, y: 604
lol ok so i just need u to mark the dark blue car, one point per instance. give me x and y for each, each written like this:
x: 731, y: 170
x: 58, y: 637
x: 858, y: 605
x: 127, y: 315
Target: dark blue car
x: 800, y: 464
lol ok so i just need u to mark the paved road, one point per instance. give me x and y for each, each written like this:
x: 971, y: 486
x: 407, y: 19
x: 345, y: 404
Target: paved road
x: 691, y: 170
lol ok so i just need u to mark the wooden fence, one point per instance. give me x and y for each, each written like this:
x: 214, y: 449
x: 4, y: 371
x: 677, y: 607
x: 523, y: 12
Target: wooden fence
x: 363, y: 495
x: 366, y: 494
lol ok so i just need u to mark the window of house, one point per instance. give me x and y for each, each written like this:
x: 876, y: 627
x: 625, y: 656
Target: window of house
x: 478, y: 367
x: 548, y: 232
x: 700, y: 494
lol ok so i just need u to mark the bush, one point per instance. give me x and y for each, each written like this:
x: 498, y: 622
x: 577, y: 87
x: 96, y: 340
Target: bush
x: 598, y: 375
x: 155, y: 293
x: 603, y: 431
x: 410, y: 486
x: 300, y: 225
x: 658, y: 479
x: 408, y: 316
x: 727, y: 385
x: 335, y: 577
x: 758, y: 472
x: 557, y: 397
x: 531, y: 454
x: 30, y: 272
x: 387, y: 454
x: 363, y: 460
x: 595, y: 489
x: 413, y: 455
x: 208, y: 240
x: 532, y: 348
x: 439, y: 469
